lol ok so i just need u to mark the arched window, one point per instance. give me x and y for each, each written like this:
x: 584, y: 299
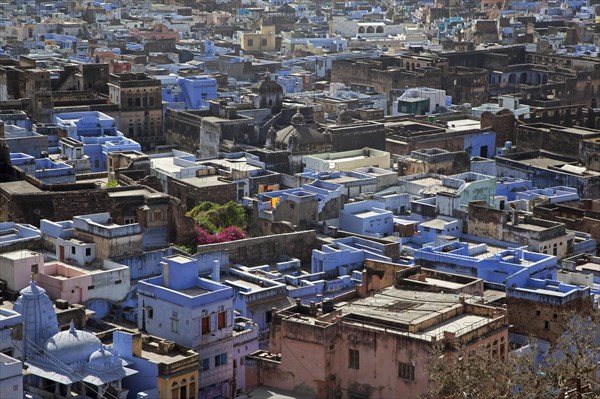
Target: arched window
x: 361, y: 29
x: 379, y: 29
x: 523, y: 79
x: 370, y: 29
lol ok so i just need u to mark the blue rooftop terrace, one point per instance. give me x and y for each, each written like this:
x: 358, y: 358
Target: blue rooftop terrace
x: 88, y: 123
x: 508, y: 267
x: 180, y: 284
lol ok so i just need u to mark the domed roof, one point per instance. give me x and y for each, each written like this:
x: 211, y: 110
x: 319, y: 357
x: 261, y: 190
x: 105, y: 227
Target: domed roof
x: 268, y: 85
x: 302, y: 135
x: 103, y: 358
x: 72, y: 346
x: 298, y: 119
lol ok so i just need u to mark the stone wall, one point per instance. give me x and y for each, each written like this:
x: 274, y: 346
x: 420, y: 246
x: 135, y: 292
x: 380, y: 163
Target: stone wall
x: 484, y: 221
x: 551, y: 139
x: 542, y: 320
x: 182, y: 128
x: 191, y: 195
x: 268, y: 249
x: 62, y: 205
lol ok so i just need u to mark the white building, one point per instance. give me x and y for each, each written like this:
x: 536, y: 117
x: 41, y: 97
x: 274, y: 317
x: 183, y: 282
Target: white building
x: 504, y: 102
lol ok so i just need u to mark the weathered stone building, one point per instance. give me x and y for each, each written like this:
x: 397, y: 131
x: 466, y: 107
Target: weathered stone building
x: 433, y: 160
x: 24, y: 202
x: 140, y: 107
x: 386, y: 73
x: 583, y: 215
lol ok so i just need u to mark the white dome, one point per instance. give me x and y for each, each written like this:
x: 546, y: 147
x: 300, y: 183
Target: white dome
x: 72, y: 346
x: 103, y: 359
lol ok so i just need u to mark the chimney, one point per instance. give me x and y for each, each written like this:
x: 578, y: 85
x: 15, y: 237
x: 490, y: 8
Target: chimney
x: 216, y: 273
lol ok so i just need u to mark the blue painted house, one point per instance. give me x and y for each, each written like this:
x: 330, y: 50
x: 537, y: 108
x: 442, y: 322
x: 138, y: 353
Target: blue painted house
x: 367, y: 218
x: 97, y: 132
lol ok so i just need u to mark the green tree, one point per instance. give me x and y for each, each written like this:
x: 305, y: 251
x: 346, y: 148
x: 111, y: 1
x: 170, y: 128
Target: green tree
x: 214, y: 218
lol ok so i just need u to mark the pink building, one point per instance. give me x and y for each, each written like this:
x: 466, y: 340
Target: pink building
x: 16, y: 268
x: 376, y: 345
x: 62, y: 281
x: 158, y: 32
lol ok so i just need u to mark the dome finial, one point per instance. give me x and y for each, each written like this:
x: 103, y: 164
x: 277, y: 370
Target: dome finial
x: 72, y: 329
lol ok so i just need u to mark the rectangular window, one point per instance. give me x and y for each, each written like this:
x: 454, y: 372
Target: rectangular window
x: 353, y: 359
x: 150, y: 312
x: 91, y: 287
x: 263, y: 42
x: 546, y: 325
x: 205, y: 325
x: 206, y: 364
x: 73, y: 250
x: 118, y: 282
x: 406, y: 371
x: 221, y: 360
x: 250, y: 42
x: 88, y: 252
x: 174, y: 325
x: 221, y: 322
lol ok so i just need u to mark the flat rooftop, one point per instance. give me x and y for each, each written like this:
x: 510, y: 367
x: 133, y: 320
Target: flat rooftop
x: 545, y: 162
x: 426, y: 181
x: 244, y: 283
x: 205, y: 181
x: 128, y: 193
x: 194, y: 291
x: 19, y: 187
x: 366, y: 214
x: 166, y: 164
x: 532, y: 227
x: 402, y: 306
x: 589, y: 266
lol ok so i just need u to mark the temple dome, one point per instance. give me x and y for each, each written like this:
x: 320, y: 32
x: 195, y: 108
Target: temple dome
x: 39, y: 316
x: 103, y: 359
x: 298, y: 119
x: 72, y: 346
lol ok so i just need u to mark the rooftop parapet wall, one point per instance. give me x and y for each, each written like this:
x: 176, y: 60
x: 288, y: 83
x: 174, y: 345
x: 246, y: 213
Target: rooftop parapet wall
x: 101, y: 224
